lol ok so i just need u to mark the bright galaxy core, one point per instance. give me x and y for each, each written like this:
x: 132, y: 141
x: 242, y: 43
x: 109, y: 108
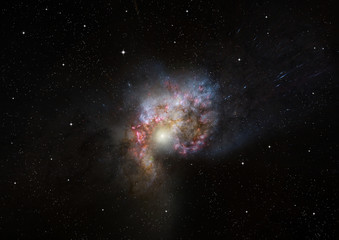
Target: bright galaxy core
x: 180, y: 117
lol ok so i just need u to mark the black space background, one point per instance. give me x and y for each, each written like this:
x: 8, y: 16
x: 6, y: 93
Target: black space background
x: 56, y: 71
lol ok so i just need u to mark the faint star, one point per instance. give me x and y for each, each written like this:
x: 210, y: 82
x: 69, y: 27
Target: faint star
x: 102, y: 210
x: 166, y: 211
x: 266, y: 16
x: 71, y: 124
x: 269, y: 146
x: 239, y: 59
x: 63, y: 64
x: 23, y: 33
x: 14, y: 183
x: 123, y: 52
x: 187, y: 10
x: 84, y: 25
x: 242, y: 163
x: 67, y: 179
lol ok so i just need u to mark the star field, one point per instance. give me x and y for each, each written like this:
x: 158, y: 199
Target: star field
x: 169, y: 120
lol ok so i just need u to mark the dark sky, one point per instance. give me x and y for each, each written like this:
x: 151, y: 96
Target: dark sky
x: 72, y: 72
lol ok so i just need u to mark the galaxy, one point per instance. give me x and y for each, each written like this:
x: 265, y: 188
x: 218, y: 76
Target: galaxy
x: 177, y: 117
x: 169, y: 120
